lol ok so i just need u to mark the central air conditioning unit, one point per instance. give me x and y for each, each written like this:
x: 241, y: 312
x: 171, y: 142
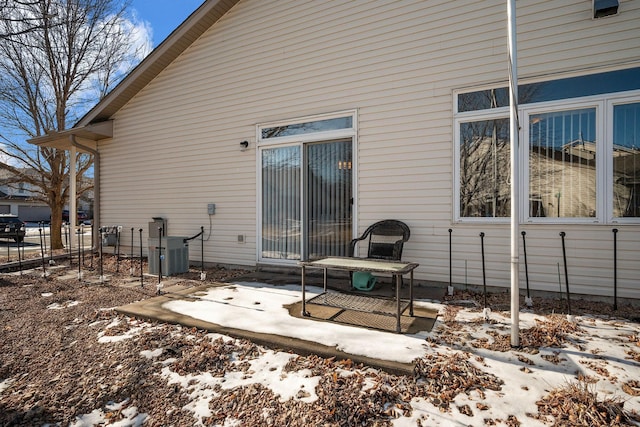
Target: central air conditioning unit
x: 169, y: 254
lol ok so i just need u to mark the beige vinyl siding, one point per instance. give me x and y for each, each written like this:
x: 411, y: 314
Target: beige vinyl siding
x: 176, y: 144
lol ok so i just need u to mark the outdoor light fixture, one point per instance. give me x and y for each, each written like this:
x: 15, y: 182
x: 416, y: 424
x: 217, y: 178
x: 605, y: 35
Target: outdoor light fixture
x: 244, y: 145
x: 602, y: 8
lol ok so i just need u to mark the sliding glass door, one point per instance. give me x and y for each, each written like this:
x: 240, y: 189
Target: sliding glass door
x: 306, y: 200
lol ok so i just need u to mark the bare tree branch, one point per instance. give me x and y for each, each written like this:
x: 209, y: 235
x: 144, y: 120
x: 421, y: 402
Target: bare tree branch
x: 57, y: 59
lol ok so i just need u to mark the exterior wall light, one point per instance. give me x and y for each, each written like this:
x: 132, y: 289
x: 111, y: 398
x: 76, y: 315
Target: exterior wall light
x: 244, y: 145
x: 602, y: 8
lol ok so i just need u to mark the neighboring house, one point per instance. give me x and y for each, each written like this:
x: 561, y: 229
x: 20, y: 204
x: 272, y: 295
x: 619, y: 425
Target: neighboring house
x: 306, y: 121
x: 17, y: 198
x: 21, y: 199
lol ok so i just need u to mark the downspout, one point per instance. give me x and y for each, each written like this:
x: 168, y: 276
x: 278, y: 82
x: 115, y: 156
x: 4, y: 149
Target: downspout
x: 96, y: 188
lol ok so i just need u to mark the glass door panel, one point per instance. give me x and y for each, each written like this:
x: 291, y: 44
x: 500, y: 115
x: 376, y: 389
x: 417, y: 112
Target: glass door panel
x: 281, y: 203
x: 328, y: 198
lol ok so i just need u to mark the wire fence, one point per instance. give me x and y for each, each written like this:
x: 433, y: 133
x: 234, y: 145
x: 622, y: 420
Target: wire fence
x: 35, y: 251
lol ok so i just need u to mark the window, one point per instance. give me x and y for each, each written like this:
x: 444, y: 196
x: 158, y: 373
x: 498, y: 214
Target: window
x: 626, y: 159
x: 306, y: 188
x: 484, y: 168
x: 562, y: 163
x: 579, y: 150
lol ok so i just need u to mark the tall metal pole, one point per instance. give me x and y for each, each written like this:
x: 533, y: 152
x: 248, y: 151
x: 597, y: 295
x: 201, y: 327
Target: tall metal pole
x: 515, y: 214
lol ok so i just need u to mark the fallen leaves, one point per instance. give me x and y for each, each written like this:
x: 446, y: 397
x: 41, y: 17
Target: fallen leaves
x: 632, y: 387
x: 56, y: 368
x: 441, y: 378
x: 577, y: 403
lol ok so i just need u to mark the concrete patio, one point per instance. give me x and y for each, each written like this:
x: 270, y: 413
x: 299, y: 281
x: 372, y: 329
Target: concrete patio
x: 177, y: 289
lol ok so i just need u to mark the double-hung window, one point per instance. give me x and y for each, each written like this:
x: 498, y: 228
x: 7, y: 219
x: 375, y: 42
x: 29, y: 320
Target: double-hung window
x: 579, y: 152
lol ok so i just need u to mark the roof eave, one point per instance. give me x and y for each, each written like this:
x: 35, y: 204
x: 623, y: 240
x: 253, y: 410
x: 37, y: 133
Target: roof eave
x: 89, y: 134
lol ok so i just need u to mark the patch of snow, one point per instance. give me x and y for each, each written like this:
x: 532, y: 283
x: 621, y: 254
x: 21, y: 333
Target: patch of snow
x: 66, y: 304
x: 152, y: 354
x: 267, y: 370
x: 101, y: 416
x: 5, y: 384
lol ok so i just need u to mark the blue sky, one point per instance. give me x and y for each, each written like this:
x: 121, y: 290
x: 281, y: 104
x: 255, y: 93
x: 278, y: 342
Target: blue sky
x: 163, y: 16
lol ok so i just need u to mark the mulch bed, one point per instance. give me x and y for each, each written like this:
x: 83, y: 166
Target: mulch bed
x: 56, y: 369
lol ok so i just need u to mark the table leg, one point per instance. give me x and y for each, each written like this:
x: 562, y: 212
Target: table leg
x: 304, y: 297
x: 398, y: 279
x: 411, y: 294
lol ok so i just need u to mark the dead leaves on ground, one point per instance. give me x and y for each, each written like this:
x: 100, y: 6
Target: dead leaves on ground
x: 441, y: 378
x: 577, y: 404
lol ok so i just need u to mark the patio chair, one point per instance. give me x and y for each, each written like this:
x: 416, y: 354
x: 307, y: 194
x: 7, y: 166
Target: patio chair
x: 385, y: 240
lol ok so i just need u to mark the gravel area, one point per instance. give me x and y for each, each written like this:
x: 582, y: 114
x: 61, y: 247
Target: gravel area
x: 65, y: 353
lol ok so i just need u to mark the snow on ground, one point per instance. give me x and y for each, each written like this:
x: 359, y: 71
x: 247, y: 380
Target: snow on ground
x: 266, y: 370
x: 129, y: 414
x: 260, y: 308
x: 605, y: 350
x: 60, y: 306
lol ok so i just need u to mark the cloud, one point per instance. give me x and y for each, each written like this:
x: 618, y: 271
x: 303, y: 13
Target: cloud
x: 141, y: 36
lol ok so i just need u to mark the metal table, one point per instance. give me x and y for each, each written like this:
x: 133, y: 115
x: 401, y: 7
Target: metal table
x: 362, y: 302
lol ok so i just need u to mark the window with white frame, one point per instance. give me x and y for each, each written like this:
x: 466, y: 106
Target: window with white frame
x: 579, y: 150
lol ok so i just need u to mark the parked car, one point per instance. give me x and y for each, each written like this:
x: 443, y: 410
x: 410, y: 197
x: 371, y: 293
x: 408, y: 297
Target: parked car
x: 81, y: 218
x: 11, y: 227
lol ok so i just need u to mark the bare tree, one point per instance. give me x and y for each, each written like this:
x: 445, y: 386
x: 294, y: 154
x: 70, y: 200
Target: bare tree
x: 57, y: 59
x: 10, y: 11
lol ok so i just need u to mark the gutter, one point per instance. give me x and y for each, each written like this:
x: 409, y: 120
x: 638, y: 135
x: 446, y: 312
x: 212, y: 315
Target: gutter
x: 96, y: 187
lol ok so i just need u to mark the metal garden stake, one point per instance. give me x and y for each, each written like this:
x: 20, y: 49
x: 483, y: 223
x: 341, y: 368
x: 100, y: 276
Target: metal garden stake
x: 51, y: 261
x: 159, y: 286
x: 79, y: 257
x: 486, y: 311
x: 67, y: 242
x: 131, y: 268
x: 101, y: 231
x: 203, y: 275
x: 44, y: 269
x: 527, y: 299
x: 116, y: 249
x: 450, y: 287
x: 91, y: 263
x: 141, y: 272
x: 566, y: 275
x: 19, y: 256
x: 81, y: 236
x: 615, y: 268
